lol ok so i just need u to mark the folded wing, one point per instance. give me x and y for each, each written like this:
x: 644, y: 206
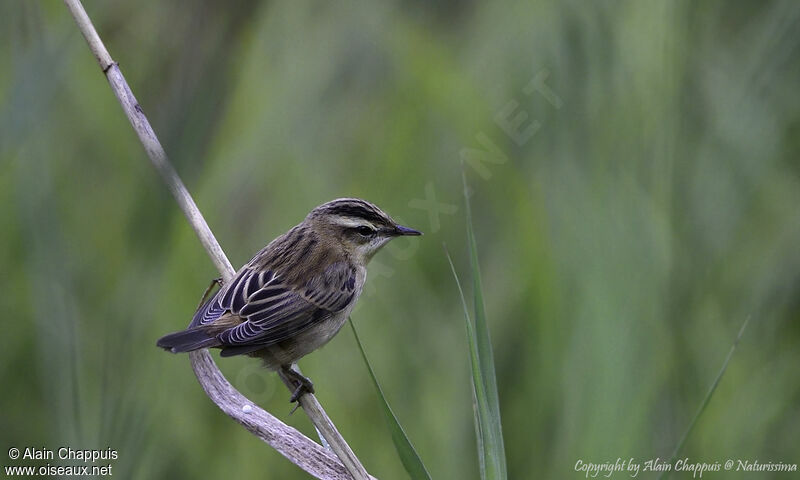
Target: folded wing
x: 271, y: 310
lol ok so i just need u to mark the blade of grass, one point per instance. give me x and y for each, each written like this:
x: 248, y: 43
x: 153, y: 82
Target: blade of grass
x: 405, y: 450
x: 484, y: 344
x: 707, y: 399
x: 478, y: 391
x: 488, y: 429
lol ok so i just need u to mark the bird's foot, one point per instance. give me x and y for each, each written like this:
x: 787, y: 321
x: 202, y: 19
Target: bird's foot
x: 301, y: 383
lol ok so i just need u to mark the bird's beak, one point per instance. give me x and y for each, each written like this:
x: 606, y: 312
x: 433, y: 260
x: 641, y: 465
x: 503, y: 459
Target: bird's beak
x: 401, y: 230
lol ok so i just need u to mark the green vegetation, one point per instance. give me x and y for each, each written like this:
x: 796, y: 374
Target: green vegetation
x: 405, y: 450
x: 634, y: 187
x: 711, y: 390
x: 488, y: 426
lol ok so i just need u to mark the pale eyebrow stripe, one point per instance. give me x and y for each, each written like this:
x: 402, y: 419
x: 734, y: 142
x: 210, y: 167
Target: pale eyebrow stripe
x: 351, y: 221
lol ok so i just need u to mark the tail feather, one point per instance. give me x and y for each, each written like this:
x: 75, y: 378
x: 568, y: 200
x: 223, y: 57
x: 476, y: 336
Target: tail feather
x: 188, y: 340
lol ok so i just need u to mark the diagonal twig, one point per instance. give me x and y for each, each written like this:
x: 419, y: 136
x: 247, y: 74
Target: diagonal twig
x: 292, y: 444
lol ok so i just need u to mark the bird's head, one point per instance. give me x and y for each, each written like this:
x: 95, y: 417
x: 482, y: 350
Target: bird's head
x: 360, y: 226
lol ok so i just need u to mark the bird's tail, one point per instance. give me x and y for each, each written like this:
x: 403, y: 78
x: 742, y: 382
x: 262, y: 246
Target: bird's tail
x: 188, y: 340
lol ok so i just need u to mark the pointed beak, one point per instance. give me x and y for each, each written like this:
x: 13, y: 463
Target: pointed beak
x: 401, y: 230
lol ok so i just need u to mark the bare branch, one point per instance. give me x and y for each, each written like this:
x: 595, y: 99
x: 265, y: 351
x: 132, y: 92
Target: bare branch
x: 292, y: 444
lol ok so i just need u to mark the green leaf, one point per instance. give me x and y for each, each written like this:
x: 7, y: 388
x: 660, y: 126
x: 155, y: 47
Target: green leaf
x: 405, y: 450
x: 486, y: 406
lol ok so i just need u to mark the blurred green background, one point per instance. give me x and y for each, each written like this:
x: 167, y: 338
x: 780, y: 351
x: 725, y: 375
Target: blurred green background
x: 635, y: 185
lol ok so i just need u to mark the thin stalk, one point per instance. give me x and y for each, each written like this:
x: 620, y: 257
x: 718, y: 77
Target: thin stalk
x: 707, y: 398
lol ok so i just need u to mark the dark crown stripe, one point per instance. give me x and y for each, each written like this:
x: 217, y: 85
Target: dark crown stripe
x: 357, y: 209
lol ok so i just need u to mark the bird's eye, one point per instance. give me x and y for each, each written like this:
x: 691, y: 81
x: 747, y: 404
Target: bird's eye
x: 365, y: 231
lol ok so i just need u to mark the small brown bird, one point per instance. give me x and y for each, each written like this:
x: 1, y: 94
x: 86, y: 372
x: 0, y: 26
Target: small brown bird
x: 295, y: 294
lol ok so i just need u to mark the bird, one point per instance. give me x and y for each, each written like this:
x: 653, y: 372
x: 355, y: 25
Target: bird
x: 296, y: 293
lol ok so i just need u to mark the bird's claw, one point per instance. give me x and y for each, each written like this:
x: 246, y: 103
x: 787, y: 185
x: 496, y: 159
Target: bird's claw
x: 302, y: 386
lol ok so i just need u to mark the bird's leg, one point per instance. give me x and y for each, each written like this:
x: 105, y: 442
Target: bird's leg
x: 302, y: 384
x: 216, y: 281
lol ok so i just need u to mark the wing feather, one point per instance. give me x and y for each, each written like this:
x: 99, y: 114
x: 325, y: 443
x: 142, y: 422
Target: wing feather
x: 208, y: 313
x: 276, y: 311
